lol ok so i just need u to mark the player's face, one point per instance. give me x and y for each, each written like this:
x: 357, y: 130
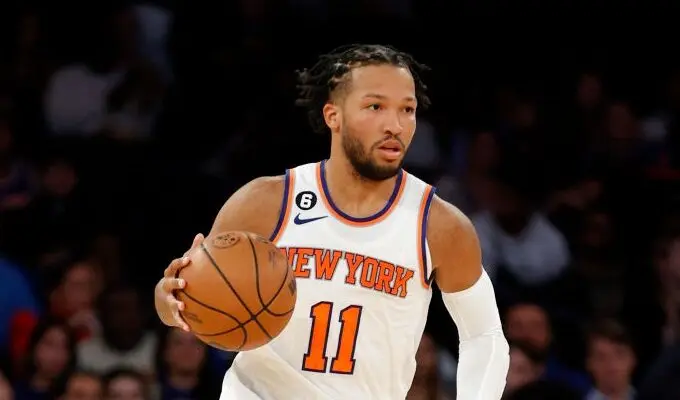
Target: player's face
x: 378, y: 120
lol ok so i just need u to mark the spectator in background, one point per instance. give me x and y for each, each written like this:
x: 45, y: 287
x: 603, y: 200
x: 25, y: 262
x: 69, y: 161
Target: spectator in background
x: 125, y: 384
x: 669, y: 276
x: 19, y: 310
x: 598, y: 265
x: 619, y: 149
x: 49, y: 360
x: 544, y: 390
x: 517, y: 240
x: 611, y: 361
x: 73, y: 295
x: 469, y: 190
x: 59, y: 212
x: 423, y: 158
x: 105, y: 256
x: 661, y: 382
x: 565, y: 206
x: 183, y: 372
x: 114, y: 92
x: 427, y: 384
x: 529, y: 323
x: 526, y: 366
x: 123, y: 341
x: 81, y: 386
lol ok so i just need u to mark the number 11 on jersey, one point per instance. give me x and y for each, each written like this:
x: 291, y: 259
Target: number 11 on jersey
x: 315, y: 360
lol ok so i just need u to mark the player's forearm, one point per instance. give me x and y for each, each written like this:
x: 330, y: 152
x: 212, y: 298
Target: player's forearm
x: 483, y: 367
x: 484, y: 352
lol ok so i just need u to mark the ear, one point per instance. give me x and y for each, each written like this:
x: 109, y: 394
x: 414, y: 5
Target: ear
x: 331, y: 114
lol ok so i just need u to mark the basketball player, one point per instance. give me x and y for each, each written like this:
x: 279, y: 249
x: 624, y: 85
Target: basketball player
x: 365, y: 240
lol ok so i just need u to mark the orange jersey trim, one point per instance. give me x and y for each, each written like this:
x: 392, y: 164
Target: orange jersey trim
x: 324, y: 192
x: 423, y: 214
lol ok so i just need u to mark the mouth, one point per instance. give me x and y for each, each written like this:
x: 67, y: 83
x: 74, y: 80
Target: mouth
x: 391, y: 150
x: 391, y: 146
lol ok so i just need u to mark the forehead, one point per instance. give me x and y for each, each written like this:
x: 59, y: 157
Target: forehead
x: 383, y: 80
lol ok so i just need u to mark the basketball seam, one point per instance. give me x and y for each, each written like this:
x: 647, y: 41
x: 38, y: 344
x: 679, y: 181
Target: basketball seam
x: 217, y: 310
x: 253, y: 316
x: 239, y: 325
x: 265, y: 306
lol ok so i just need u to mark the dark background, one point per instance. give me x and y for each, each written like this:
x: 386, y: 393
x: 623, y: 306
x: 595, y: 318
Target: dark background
x: 125, y: 126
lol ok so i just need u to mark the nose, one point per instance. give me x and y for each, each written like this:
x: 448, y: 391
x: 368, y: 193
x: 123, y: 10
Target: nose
x: 393, y: 124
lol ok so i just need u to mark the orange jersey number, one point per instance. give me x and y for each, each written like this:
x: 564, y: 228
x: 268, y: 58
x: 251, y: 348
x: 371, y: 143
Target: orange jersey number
x: 315, y: 359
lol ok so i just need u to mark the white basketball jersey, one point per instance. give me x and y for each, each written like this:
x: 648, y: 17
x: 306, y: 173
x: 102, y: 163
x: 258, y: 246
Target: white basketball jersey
x: 362, y: 300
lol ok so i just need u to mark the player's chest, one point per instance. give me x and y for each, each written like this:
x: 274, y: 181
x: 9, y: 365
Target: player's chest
x: 390, y: 271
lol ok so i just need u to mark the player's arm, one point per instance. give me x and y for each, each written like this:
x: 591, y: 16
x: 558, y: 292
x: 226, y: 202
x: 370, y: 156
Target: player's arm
x: 469, y: 297
x: 255, y: 208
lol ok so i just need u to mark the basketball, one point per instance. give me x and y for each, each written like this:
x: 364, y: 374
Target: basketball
x: 240, y: 291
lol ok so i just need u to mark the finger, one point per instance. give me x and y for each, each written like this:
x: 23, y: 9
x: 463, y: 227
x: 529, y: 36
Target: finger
x: 175, y: 266
x: 177, y: 307
x: 170, y: 284
x: 179, y: 322
x: 198, y: 239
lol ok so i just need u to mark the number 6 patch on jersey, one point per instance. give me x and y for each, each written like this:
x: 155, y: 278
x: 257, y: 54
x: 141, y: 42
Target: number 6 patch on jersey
x: 315, y: 360
x: 305, y: 200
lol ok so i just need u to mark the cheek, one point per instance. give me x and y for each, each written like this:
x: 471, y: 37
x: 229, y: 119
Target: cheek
x: 409, y: 124
x: 361, y: 122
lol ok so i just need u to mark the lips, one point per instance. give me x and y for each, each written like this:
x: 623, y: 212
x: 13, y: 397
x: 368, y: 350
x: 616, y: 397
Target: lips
x: 391, y: 145
x: 391, y: 150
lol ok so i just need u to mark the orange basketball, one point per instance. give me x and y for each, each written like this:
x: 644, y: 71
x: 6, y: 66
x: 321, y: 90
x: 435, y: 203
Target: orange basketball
x: 240, y: 291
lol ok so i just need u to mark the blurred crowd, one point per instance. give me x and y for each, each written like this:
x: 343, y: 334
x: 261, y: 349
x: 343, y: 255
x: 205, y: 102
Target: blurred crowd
x: 125, y: 125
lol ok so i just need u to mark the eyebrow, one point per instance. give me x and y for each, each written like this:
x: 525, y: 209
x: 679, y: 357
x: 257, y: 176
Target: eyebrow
x: 382, y: 97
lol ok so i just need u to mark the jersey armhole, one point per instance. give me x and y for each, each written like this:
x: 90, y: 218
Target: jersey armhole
x: 286, y: 204
x: 423, y: 214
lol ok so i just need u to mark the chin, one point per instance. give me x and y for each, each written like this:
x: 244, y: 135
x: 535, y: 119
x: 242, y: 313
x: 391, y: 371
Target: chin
x: 389, y: 165
x: 386, y: 171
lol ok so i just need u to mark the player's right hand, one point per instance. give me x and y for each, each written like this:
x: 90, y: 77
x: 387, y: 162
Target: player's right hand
x: 167, y: 306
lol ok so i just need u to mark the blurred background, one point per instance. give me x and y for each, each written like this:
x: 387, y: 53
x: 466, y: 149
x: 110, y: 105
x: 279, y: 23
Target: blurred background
x: 124, y: 126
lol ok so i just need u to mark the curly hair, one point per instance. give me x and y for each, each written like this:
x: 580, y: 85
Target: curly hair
x: 317, y: 84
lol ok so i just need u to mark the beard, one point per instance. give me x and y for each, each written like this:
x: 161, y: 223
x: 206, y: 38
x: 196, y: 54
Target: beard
x: 363, y: 163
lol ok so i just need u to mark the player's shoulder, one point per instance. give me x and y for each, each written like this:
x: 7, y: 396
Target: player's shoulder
x: 254, y: 207
x: 446, y: 221
x: 454, y: 246
x: 265, y: 185
x: 261, y: 194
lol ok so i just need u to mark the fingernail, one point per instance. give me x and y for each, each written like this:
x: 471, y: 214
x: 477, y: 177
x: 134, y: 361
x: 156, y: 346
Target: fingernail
x: 185, y: 260
x: 198, y: 236
x: 182, y: 283
x: 180, y: 306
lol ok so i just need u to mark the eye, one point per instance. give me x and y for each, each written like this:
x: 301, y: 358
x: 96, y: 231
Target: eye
x: 374, y: 107
x: 410, y: 110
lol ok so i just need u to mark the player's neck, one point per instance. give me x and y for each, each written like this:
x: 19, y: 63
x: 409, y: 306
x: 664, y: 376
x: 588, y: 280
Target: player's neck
x: 352, y: 193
